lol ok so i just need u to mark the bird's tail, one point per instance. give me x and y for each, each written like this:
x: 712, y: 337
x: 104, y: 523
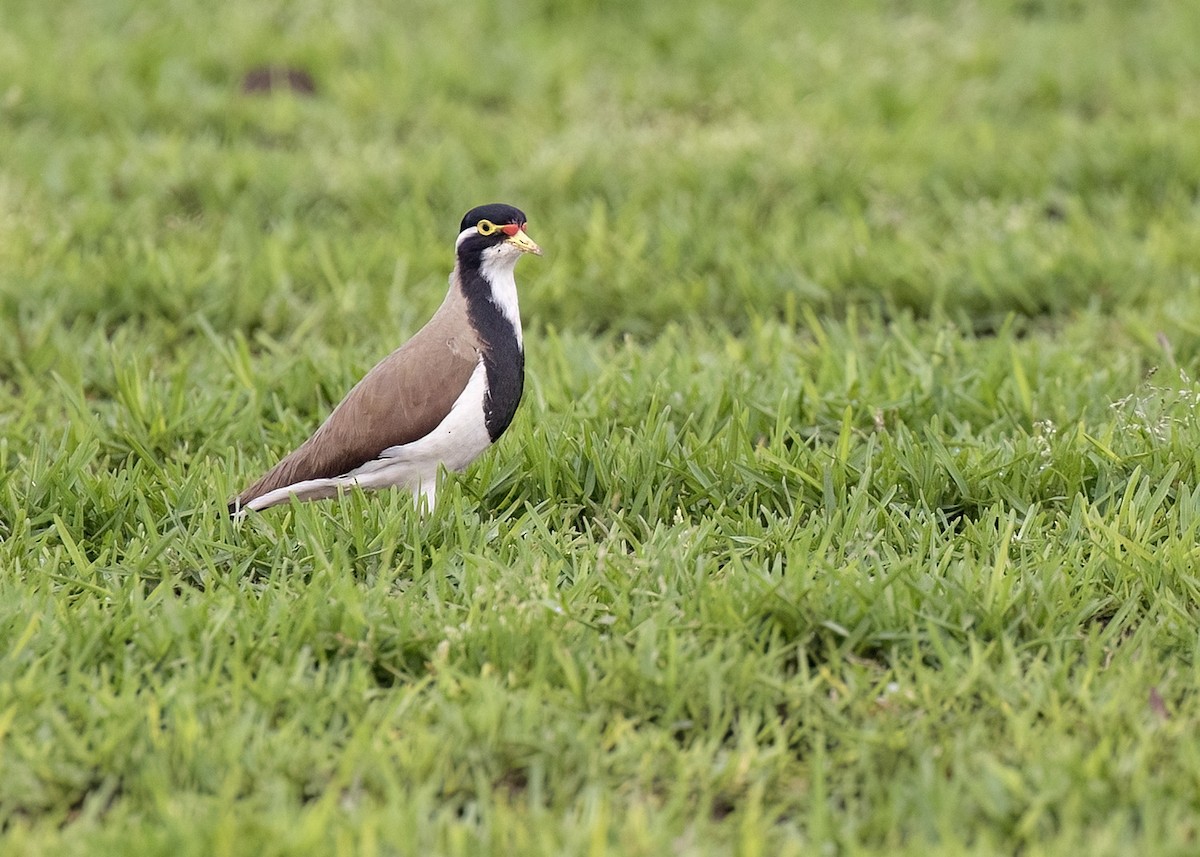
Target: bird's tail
x: 311, y: 489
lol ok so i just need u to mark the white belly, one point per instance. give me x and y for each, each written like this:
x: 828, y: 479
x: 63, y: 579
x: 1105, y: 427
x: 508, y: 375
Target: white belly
x: 456, y: 442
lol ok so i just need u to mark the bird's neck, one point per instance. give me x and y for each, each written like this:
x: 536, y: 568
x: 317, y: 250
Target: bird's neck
x: 494, y: 281
x: 491, y: 296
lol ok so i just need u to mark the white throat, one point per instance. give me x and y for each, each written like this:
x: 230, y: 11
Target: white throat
x: 497, y: 268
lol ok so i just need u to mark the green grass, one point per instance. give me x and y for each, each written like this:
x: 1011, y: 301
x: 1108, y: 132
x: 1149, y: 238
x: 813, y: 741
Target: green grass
x: 853, y: 508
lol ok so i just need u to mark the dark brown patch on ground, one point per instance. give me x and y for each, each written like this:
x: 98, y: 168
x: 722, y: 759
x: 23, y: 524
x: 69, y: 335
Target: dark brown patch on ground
x: 269, y: 78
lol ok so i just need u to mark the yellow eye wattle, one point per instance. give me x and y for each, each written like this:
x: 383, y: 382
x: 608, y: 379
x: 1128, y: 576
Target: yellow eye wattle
x: 486, y: 227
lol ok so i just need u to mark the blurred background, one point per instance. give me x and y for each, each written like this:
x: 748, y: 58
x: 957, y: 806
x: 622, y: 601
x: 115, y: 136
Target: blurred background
x: 299, y: 169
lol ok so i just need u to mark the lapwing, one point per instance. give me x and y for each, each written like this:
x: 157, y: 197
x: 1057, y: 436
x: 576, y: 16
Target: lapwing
x: 439, y: 400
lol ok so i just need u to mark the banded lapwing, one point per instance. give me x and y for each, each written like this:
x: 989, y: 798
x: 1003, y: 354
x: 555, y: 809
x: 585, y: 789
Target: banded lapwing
x: 439, y: 400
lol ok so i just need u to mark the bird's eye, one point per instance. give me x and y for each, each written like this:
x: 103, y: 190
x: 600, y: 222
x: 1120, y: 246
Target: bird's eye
x: 486, y: 227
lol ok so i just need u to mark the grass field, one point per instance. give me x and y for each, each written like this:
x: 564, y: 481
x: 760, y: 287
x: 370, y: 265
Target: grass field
x: 853, y: 507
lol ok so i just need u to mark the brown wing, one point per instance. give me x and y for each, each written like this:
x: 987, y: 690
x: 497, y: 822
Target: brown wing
x: 401, y: 400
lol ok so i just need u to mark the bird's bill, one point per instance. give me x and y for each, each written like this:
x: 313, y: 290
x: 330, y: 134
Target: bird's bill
x: 523, y: 242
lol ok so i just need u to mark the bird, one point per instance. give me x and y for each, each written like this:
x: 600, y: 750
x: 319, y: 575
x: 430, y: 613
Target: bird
x: 439, y: 400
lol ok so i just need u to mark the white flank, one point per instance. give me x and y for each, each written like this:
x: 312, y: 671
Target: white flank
x: 456, y: 442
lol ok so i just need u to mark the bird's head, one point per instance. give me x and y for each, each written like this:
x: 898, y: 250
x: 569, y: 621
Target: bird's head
x: 494, y: 235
